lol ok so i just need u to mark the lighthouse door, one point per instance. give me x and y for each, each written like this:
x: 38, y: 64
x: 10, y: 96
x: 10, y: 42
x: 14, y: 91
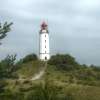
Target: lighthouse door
x: 45, y: 58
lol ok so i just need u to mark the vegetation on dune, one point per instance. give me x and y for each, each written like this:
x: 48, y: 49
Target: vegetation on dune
x: 29, y: 69
x: 63, y: 62
x: 69, y: 70
x: 7, y: 66
x: 28, y: 58
x: 64, y: 79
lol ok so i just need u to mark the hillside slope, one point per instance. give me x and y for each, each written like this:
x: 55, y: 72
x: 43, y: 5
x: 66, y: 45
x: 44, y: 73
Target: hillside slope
x: 61, y: 81
x: 30, y: 69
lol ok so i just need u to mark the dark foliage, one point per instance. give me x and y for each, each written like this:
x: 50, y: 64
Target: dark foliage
x: 7, y: 66
x: 64, y: 62
x: 96, y: 68
x: 4, y: 29
x: 30, y: 57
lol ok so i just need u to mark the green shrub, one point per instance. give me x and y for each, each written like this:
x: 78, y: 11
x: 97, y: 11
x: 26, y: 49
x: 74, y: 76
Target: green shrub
x: 30, y: 57
x: 64, y: 62
x: 7, y: 66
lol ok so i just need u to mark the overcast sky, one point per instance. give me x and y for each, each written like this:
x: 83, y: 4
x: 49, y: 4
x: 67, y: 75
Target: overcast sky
x: 74, y: 27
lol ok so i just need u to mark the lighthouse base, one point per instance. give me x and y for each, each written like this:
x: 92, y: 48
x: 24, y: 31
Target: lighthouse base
x: 44, y: 57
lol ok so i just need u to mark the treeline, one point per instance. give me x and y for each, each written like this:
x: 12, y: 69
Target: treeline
x: 62, y: 62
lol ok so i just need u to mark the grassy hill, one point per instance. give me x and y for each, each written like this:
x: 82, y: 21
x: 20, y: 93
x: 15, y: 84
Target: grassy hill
x: 64, y: 79
x: 29, y: 69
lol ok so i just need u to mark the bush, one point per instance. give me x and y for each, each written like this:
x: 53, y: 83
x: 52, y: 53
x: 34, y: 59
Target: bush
x: 7, y: 66
x: 30, y: 57
x: 65, y: 62
x: 95, y: 68
x: 2, y: 86
x: 47, y: 91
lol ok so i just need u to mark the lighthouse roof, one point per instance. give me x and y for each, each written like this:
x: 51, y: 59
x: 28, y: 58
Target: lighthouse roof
x: 44, y: 28
x: 44, y: 25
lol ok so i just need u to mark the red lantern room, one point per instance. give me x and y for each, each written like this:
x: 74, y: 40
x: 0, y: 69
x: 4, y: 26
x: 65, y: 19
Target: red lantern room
x: 44, y: 26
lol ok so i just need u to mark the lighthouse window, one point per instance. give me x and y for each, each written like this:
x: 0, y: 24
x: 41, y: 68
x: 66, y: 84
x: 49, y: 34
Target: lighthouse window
x: 45, y: 40
x: 45, y: 51
x: 45, y: 46
x: 45, y: 35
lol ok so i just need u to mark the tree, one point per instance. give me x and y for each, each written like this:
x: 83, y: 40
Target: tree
x: 63, y: 61
x: 7, y: 66
x: 4, y: 29
x: 29, y: 57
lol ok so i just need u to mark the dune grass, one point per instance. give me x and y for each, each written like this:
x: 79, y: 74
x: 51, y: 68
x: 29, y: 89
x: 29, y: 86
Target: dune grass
x: 28, y: 70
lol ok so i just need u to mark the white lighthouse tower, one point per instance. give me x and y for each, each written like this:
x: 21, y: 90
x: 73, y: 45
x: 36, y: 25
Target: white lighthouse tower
x: 44, y: 51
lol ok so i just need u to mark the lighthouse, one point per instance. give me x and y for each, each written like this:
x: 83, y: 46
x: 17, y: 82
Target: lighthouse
x: 44, y: 50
